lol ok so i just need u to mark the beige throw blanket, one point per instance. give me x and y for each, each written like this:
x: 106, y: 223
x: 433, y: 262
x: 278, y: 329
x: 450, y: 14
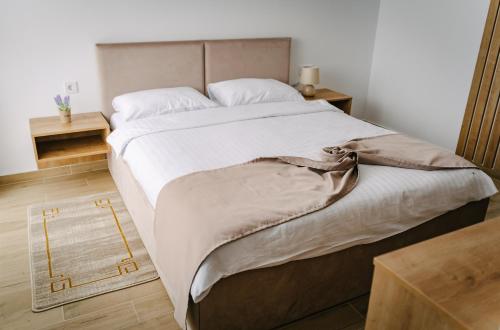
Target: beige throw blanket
x: 199, y: 212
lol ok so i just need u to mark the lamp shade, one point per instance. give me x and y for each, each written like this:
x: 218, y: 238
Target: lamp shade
x: 309, y: 75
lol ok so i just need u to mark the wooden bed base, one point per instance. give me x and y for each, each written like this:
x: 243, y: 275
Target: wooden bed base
x: 269, y: 297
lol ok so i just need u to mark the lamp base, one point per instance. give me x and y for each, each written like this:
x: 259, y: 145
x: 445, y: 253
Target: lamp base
x: 308, y: 90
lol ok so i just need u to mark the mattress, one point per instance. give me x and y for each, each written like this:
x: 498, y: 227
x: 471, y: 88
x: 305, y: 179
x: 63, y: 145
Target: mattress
x: 385, y: 202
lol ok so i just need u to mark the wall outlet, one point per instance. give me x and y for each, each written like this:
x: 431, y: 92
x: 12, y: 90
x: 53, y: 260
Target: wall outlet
x: 71, y: 87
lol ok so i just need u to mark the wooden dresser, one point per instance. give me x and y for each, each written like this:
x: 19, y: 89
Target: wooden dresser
x: 449, y: 282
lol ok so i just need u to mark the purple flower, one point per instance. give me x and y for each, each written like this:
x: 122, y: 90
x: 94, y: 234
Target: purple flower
x: 66, y: 100
x: 58, y: 100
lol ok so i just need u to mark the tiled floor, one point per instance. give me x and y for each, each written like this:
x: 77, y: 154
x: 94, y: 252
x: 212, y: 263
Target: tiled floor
x: 144, y: 306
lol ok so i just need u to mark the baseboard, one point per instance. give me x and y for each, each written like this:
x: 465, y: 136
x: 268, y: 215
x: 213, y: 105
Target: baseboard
x: 53, y: 172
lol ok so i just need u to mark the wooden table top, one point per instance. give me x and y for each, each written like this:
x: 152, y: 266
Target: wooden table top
x: 79, y: 122
x: 459, y: 272
x: 329, y: 95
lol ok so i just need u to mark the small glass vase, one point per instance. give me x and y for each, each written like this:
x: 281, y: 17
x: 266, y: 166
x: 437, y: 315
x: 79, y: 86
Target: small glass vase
x: 65, y: 116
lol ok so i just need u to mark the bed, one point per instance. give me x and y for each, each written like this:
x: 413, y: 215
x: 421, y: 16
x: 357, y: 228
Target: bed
x: 268, y: 289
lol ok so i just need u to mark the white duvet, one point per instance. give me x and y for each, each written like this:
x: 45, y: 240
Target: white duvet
x: 385, y: 202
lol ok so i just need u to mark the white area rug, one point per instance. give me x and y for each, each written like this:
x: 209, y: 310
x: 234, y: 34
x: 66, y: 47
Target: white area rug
x: 83, y: 247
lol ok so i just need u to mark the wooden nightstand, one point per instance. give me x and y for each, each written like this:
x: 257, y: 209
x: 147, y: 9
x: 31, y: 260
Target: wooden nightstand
x: 341, y: 101
x: 57, y: 144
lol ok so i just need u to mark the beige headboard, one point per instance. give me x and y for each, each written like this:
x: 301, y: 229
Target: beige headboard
x: 247, y: 58
x: 129, y: 67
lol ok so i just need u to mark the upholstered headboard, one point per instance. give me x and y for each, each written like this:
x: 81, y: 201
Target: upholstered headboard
x: 129, y: 67
x: 247, y: 58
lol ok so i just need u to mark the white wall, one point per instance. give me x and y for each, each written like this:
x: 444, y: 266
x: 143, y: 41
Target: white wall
x: 44, y: 43
x: 423, y: 62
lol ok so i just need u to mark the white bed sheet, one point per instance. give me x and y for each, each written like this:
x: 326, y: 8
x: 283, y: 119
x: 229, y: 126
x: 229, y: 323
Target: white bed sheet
x: 385, y: 202
x: 116, y: 120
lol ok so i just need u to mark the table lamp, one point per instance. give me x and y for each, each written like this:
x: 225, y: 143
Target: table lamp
x: 309, y: 76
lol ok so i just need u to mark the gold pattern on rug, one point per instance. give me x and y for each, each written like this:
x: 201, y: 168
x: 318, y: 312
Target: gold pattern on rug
x: 58, y: 282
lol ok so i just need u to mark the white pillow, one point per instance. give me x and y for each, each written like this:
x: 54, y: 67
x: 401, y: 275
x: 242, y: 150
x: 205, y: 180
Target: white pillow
x: 252, y: 90
x: 156, y: 102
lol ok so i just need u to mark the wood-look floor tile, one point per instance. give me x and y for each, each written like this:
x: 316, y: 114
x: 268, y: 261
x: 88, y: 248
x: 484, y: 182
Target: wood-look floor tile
x: 14, y: 218
x: 65, y: 188
x: 15, y: 311
x: 14, y: 259
x: 97, y: 303
x: 35, y: 175
x: 101, y: 180
x: 165, y: 322
x: 13, y: 238
x: 153, y: 306
x: 75, y: 186
x: 13, y: 284
x: 14, y: 262
x: 20, y: 195
x: 115, y: 317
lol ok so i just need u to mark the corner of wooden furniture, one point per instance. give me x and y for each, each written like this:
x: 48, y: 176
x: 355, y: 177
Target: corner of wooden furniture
x: 337, y: 99
x: 81, y: 140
